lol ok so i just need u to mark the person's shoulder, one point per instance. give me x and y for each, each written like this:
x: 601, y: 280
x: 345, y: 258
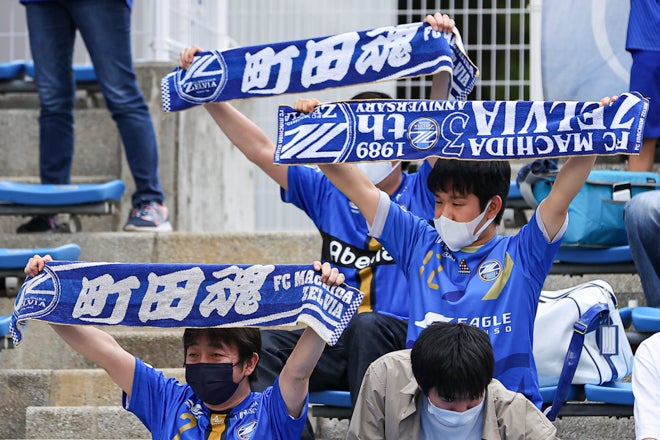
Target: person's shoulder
x: 652, y: 343
x: 394, y: 359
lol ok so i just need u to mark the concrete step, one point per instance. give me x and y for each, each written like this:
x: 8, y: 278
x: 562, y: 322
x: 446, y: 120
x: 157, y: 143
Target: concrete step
x: 83, y: 422
x: 42, y: 348
x: 22, y: 389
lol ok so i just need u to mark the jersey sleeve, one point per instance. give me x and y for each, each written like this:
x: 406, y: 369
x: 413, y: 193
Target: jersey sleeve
x: 284, y: 426
x: 404, y: 235
x: 151, y: 397
x: 539, y: 252
x: 307, y: 191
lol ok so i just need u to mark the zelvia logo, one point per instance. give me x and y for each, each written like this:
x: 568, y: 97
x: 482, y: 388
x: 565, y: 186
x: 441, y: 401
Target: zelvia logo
x: 423, y: 133
x: 38, y: 295
x: 204, y: 80
x: 490, y: 270
x: 246, y: 430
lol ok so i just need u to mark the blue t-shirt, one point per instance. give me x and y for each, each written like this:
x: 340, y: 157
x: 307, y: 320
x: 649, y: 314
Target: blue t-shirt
x: 346, y: 243
x: 170, y: 409
x: 495, y: 286
x: 643, y: 25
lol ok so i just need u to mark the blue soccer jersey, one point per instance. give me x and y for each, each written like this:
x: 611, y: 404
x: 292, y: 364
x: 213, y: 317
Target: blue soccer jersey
x: 346, y: 244
x: 495, y: 286
x: 170, y: 409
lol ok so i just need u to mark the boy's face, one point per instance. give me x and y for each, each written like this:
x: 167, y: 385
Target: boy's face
x: 458, y: 207
x: 453, y: 405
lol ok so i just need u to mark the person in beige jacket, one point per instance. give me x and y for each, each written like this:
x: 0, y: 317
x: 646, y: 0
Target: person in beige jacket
x: 443, y: 389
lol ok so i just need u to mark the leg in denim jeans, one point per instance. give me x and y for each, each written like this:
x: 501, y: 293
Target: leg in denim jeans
x: 105, y: 26
x: 52, y: 33
x: 642, y: 217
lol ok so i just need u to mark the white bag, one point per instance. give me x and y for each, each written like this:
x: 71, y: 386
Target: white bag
x: 556, y: 316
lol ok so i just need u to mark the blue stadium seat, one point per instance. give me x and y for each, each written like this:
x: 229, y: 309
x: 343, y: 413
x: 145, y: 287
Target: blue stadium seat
x: 4, y: 325
x: 331, y: 398
x: 53, y: 195
x: 646, y: 319
x: 619, y: 393
x: 16, y: 258
x: 12, y: 70
x: 81, y: 72
x: 548, y: 393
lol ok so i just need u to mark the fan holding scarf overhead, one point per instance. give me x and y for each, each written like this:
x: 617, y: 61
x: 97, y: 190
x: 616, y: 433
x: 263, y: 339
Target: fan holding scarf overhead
x: 459, y: 269
x: 216, y: 401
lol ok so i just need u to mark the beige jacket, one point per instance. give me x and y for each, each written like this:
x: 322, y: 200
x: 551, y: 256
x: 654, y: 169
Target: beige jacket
x: 387, y: 407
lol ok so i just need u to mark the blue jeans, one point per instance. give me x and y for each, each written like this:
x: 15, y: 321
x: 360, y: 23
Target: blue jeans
x: 642, y: 216
x: 105, y: 29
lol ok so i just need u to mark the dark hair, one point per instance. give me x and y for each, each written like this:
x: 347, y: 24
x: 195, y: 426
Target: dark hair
x: 482, y: 178
x: 454, y: 358
x: 372, y: 94
x: 247, y: 340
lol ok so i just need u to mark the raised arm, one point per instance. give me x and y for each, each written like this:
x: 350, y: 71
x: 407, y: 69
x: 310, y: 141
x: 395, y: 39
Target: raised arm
x: 294, y: 378
x: 441, y: 81
x: 96, y: 345
x: 241, y: 131
x: 347, y: 177
x: 568, y: 183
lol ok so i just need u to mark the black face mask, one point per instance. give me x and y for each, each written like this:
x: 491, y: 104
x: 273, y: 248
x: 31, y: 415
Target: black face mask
x: 213, y: 383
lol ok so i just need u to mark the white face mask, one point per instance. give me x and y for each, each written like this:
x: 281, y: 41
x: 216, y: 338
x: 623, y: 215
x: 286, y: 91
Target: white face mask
x: 452, y: 419
x: 457, y: 235
x: 377, y: 171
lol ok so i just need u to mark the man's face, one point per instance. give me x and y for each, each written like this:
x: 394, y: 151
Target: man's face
x: 453, y: 405
x: 203, y: 351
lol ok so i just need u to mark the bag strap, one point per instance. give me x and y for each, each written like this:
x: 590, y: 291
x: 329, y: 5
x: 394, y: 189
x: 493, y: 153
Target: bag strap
x: 588, y: 322
x: 529, y: 174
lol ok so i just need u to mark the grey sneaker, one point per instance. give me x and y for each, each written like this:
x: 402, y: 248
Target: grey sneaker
x: 148, y: 217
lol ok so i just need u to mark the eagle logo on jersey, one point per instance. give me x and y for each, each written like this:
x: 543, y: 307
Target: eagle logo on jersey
x: 490, y: 270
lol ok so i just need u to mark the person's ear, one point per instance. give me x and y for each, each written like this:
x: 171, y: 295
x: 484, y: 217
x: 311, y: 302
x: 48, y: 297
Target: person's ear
x: 496, y: 205
x: 251, y: 364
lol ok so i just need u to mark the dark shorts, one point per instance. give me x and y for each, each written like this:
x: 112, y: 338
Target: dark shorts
x: 645, y: 78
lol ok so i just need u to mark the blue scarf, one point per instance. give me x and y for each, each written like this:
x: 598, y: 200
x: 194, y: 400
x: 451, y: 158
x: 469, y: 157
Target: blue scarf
x: 184, y: 295
x: 377, y: 130
x: 305, y: 65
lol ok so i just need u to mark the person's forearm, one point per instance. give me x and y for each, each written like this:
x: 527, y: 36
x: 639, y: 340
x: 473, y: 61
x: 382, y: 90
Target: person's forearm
x: 305, y: 355
x: 241, y: 131
x: 294, y: 379
x: 573, y: 174
x: 87, y: 340
x: 102, y: 349
x: 249, y: 139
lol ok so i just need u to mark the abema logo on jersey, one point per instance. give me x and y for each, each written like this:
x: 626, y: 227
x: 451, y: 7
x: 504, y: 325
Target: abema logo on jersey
x: 204, y: 80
